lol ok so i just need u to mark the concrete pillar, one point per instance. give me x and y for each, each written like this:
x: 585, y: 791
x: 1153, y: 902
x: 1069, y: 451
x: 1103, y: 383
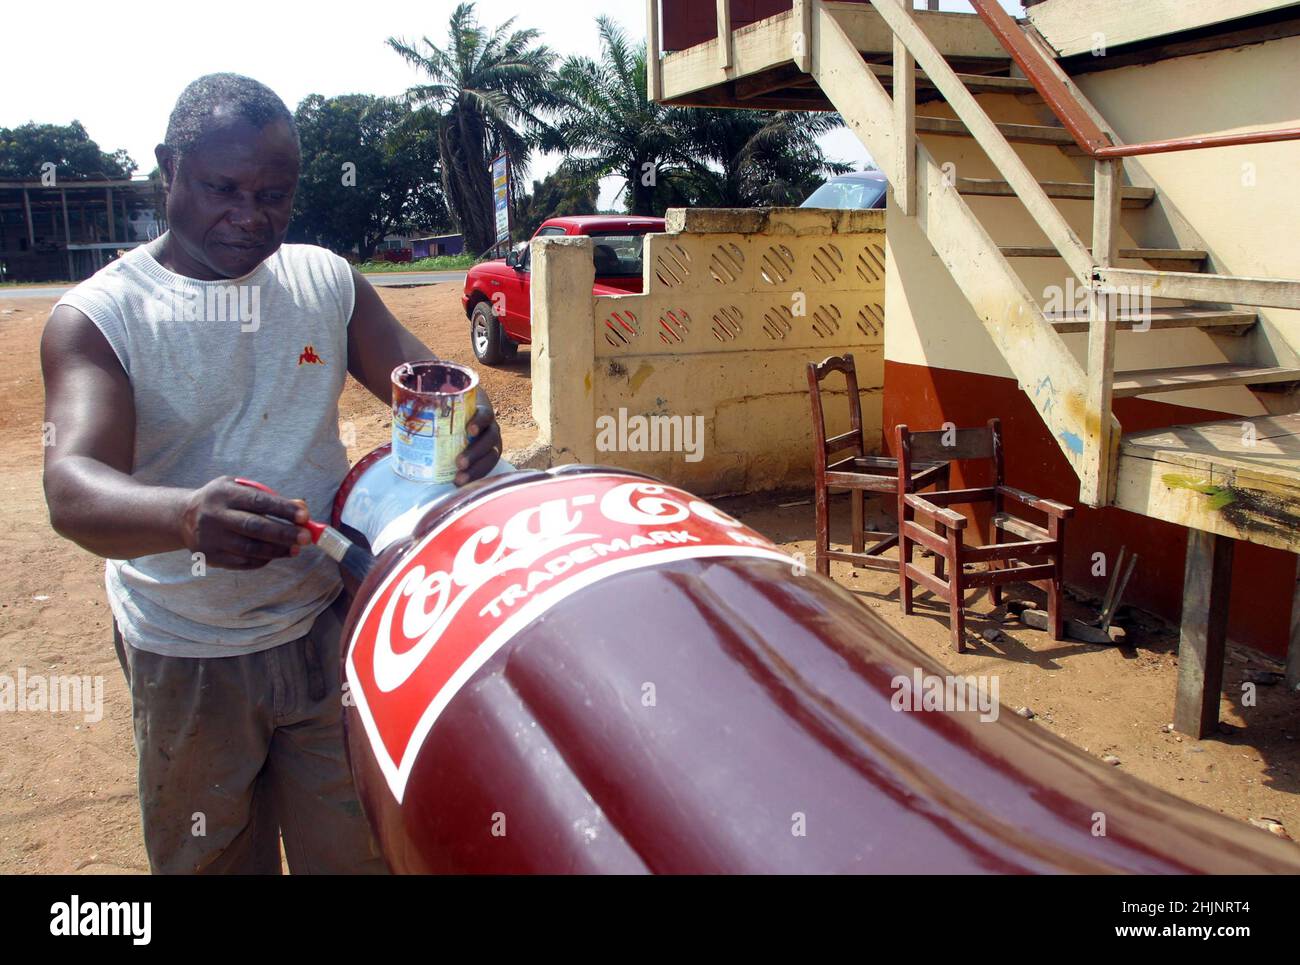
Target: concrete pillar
x: 564, y: 349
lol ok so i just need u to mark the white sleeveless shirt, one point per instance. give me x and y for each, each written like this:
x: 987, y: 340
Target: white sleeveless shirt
x: 239, y: 377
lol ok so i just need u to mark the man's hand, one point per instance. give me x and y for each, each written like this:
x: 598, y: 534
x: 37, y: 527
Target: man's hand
x: 237, y: 527
x: 377, y: 344
x: 484, y: 447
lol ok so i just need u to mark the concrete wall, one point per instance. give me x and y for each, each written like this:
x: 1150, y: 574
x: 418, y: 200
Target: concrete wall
x: 734, y: 306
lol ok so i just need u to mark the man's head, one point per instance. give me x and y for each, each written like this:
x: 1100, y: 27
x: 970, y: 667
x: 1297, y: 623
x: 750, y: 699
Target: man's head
x: 230, y: 167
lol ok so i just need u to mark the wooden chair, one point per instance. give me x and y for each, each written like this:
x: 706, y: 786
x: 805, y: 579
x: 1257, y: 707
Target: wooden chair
x: 857, y: 472
x: 1044, y: 547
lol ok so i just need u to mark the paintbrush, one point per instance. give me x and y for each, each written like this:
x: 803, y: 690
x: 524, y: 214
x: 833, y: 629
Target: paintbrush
x: 350, y: 557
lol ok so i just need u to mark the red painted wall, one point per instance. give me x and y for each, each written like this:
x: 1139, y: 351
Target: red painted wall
x: 1263, y: 578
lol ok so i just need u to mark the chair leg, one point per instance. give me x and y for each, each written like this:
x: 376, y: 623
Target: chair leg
x: 956, y: 608
x: 904, y: 557
x: 1055, y: 609
x: 823, y: 531
x: 942, y: 530
x: 858, y: 522
x: 995, y: 591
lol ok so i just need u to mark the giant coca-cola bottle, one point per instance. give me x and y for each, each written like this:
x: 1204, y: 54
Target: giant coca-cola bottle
x: 587, y: 670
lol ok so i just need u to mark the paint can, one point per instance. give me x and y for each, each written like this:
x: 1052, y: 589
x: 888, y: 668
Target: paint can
x: 432, y: 404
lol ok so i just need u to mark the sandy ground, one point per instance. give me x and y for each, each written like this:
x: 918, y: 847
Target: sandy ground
x: 67, y: 786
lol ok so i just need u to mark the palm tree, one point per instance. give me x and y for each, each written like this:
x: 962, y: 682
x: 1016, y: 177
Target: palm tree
x: 487, y: 93
x: 683, y: 155
x: 745, y: 159
x: 608, y: 120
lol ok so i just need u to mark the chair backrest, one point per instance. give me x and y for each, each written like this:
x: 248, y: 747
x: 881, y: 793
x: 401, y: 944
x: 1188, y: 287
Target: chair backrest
x: 824, y: 448
x: 948, y: 445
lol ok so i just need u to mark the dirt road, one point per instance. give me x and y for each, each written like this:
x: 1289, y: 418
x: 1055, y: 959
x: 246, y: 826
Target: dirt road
x: 67, y: 786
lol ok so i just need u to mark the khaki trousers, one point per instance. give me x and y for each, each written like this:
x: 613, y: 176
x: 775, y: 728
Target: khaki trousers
x: 236, y: 752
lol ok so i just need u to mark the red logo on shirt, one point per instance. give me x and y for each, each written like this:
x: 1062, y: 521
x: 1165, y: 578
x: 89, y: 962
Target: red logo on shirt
x: 310, y: 357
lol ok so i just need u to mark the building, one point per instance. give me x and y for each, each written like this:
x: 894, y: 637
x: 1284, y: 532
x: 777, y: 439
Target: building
x: 434, y: 246
x: 1087, y: 237
x: 69, y: 230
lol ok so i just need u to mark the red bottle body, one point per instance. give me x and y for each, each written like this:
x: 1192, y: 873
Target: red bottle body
x: 537, y: 682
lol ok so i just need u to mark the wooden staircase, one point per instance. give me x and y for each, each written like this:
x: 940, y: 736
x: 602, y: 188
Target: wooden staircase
x: 878, y: 103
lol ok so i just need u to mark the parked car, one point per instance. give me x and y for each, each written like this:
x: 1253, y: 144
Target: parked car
x: 861, y: 189
x: 497, y: 296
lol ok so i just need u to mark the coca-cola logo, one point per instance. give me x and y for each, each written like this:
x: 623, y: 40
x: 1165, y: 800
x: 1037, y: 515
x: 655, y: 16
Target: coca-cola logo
x: 493, y: 567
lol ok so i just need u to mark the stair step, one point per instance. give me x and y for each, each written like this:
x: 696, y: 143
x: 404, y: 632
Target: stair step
x: 1147, y: 381
x: 1220, y: 322
x: 1147, y: 254
x: 975, y: 83
x: 1068, y: 190
x: 1018, y: 133
x: 1198, y: 287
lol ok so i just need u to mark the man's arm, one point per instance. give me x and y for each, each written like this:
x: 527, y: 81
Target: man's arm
x: 92, y: 497
x: 377, y: 344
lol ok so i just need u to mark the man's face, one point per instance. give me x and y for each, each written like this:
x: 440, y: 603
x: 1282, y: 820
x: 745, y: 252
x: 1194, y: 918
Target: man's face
x: 229, y: 198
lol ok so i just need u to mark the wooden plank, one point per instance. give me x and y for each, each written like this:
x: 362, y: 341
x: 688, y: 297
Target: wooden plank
x: 1096, y: 479
x: 1147, y: 254
x: 1007, y: 551
x: 1072, y: 26
x: 1176, y: 378
x: 975, y: 83
x: 653, y: 64
x: 1132, y: 197
x: 904, y: 95
x: 1207, y: 479
x: 1293, y: 648
x: 1016, y: 133
x: 1019, y: 527
x: 1196, y: 286
x: 724, y: 34
x: 1019, y: 574
x: 1203, y: 634
x: 1220, y: 322
x: 802, y: 41
x: 938, y: 587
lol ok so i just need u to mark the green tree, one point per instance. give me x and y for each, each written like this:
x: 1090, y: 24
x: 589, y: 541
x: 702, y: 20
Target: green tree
x: 488, y: 93
x: 747, y: 159
x: 560, y: 193
x: 368, y: 170
x: 26, y: 148
x: 614, y: 128
x: 674, y: 156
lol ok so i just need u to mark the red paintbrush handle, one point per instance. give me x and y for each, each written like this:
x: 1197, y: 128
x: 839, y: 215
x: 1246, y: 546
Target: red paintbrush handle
x: 311, y: 526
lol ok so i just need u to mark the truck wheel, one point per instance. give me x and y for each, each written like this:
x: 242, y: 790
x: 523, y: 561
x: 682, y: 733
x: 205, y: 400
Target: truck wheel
x: 485, y: 335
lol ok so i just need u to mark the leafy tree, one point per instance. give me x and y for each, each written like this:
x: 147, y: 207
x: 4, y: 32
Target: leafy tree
x: 610, y: 122
x: 368, y: 170
x: 676, y: 156
x: 747, y: 159
x: 560, y: 193
x: 24, y: 149
x: 487, y: 93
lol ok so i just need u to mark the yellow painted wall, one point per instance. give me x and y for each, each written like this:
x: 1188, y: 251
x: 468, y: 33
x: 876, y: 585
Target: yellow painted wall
x: 736, y: 303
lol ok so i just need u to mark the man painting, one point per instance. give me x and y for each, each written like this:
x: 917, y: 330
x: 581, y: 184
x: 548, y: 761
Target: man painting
x: 213, y: 352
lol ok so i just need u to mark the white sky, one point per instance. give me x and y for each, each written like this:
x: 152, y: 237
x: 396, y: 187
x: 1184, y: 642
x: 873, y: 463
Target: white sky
x: 119, y: 68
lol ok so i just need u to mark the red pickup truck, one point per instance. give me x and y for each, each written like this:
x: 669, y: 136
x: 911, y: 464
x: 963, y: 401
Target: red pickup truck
x: 497, y: 293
